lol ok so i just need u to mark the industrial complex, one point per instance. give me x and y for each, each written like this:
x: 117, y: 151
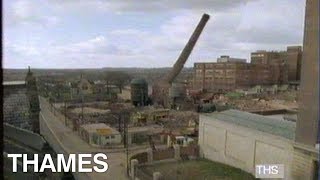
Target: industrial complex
x: 225, y: 116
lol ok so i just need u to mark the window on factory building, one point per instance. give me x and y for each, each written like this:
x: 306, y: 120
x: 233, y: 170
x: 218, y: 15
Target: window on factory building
x: 199, y: 71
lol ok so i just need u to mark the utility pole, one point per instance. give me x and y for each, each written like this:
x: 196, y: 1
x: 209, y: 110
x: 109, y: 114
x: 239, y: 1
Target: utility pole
x: 126, y: 142
x: 127, y: 149
x: 65, y: 113
x: 54, y: 110
x: 81, y: 100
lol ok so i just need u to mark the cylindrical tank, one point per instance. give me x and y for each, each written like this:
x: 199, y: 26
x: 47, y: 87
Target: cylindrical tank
x: 139, y: 92
x: 177, y: 90
x: 207, y: 108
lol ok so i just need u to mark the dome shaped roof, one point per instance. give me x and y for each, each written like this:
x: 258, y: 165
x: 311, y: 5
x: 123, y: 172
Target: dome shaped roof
x: 139, y: 81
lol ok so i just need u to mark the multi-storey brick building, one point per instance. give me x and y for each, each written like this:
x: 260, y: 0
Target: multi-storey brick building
x: 291, y: 58
x: 219, y: 77
x: 266, y: 68
x: 230, y: 59
x: 294, y: 56
x: 267, y: 57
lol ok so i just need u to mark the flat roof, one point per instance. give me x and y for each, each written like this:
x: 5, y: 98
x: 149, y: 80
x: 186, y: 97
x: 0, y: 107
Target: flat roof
x: 265, y: 124
x: 152, y: 129
x: 99, y: 128
x: 8, y: 83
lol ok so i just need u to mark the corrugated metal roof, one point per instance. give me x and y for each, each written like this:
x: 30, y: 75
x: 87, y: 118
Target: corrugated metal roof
x: 261, y: 123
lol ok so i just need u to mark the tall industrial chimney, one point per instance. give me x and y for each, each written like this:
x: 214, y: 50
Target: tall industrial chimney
x: 307, y: 124
x: 160, y: 90
x: 305, y: 163
x: 187, y: 50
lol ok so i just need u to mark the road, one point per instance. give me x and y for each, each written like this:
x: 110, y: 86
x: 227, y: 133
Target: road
x: 64, y: 140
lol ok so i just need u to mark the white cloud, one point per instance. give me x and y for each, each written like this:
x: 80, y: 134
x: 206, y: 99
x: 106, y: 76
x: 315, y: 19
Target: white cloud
x: 21, y: 50
x: 27, y: 12
x: 144, y: 5
x: 235, y: 28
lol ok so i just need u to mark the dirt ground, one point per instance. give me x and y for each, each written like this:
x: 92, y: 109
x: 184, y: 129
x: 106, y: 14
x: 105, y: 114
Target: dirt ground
x: 283, y: 100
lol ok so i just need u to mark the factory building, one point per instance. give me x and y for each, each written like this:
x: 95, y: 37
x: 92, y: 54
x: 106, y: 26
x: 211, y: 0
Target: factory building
x: 267, y: 57
x: 228, y: 76
x: 294, y: 57
x: 220, y: 76
x: 243, y: 139
x: 230, y: 59
x: 99, y: 134
x: 291, y: 58
x: 266, y: 68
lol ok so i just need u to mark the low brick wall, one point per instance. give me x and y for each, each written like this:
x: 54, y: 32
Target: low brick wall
x: 142, y: 157
x: 192, y: 150
x: 163, y: 154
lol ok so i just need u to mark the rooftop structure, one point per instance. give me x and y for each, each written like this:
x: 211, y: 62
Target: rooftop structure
x: 230, y: 59
x: 13, y: 83
x: 269, y: 125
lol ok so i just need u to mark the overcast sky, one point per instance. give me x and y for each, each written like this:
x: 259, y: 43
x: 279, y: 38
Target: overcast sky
x: 143, y: 33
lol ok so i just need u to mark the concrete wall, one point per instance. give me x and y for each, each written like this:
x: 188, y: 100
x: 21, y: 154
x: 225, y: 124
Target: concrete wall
x: 50, y: 136
x: 28, y: 138
x: 243, y: 147
x: 303, y: 164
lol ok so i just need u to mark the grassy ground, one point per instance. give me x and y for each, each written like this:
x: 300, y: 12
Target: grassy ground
x: 198, y: 169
